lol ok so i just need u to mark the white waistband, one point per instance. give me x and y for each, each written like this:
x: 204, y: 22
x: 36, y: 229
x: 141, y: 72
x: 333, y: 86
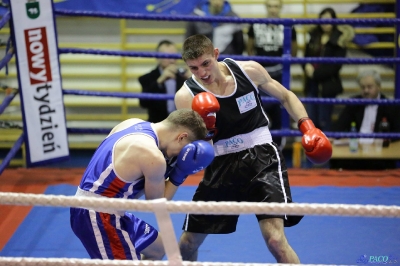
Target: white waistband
x: 243, y: 141
x: 84, y: 193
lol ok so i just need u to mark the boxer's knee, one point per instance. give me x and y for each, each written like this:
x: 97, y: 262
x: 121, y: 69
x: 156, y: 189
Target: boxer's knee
x: 189, y: 244
x: 155, y: 251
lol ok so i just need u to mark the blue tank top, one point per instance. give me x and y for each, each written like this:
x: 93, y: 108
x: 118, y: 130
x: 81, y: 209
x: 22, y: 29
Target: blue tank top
x: 242, y: 111
x: 100, y: 177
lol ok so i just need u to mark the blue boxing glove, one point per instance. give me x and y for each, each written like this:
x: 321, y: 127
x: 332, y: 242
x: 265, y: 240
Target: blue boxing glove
x: 193, y: 158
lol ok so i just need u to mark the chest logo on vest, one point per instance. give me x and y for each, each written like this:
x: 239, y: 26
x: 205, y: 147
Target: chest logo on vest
x: 246, y: 102
x: 138, y: 127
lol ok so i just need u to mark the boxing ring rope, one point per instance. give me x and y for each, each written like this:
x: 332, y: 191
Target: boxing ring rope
x: 88, y: 262
x: 282, y: 132
x: 161, y: 207
x: 13, y: 151
x: 288, y: 23
x: 8, y: 98
x: 270, y: 59
x: 9, y: 52
x: 238, y: 20
x: 6, y: 101
x: 226, y: 208
x: 286, y: 59
x: 4, y: 20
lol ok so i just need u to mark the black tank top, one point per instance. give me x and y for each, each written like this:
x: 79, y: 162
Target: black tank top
x: 241, y: 112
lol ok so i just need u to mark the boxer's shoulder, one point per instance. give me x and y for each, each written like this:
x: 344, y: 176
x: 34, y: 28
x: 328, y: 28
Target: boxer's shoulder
x: 125, y: 124
x: 138, y: 143
x: 135, y: 153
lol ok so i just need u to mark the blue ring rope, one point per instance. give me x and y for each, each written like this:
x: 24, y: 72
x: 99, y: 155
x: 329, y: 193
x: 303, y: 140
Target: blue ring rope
x: 6, y: 17
x: 282, y: 21
x: 161, y: 96
x: 6, y: 101
x: 281, y: 133
x: 271, y: 59
x: 286, y: 58
x: 4, y: 61
x: 17, y: 145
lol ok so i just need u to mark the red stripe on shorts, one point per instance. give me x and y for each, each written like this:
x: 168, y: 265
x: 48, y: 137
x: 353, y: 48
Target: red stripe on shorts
x: 117, y: 248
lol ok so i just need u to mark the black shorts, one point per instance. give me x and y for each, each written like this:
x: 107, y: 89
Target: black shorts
x: 258, y: 174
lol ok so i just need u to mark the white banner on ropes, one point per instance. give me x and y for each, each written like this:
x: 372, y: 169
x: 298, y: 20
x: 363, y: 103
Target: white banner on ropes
x: 39, y: 81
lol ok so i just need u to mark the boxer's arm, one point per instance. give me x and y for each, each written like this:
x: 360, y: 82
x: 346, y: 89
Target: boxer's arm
x: 170, y: 190
x: 155, y: 184
x: 183, y: 98
x: 263, y: 80
x: 153, y: 170
x: 138, y: 156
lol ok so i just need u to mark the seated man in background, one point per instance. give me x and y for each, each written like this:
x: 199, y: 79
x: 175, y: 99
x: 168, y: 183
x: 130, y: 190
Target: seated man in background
x: 368, y: 117
x: 166, y: 78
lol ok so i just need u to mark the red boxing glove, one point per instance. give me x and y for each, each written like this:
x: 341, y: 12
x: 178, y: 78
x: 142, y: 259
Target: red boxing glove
x: 207, y: 105
x: 317, y: 145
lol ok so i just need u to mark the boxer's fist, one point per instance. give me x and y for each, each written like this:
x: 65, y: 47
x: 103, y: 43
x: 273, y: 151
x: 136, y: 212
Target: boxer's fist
x: 193, y: 158
x: 206, y: 104
x: 317, y: 146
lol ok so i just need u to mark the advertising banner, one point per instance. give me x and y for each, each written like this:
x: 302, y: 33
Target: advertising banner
x: 39, y: 81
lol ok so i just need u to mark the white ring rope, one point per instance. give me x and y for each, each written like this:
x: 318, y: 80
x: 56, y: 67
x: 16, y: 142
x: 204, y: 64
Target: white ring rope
x: 161, y: 207
x: 202, y: 207
x: 88, y: 262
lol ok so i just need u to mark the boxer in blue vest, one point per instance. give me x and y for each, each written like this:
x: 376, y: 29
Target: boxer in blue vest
x: 130, y: 162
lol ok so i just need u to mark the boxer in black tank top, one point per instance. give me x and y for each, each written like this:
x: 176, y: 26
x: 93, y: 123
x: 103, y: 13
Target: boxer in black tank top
x: 248, y: 166
x: 245, y: 120
x: 229, y: 178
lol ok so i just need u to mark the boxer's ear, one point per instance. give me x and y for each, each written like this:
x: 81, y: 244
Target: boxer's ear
x: 182, y: 136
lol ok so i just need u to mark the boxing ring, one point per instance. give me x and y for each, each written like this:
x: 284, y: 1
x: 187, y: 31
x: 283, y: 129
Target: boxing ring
x: 162, y: 208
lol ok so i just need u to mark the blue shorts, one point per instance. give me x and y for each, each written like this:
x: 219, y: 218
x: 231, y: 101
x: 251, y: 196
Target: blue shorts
x: 111, y: 236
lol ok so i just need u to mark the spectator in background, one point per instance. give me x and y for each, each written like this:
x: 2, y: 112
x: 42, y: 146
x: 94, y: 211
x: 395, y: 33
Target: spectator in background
x: 364, y: 39
x: 267, y: 40
x: 323, y: 80
x: 368, y: 118
x: 227, y: 37
x: 166, y: 78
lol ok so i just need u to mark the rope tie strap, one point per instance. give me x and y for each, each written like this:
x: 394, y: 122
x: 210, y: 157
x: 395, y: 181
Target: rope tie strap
x: 167, y: 230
